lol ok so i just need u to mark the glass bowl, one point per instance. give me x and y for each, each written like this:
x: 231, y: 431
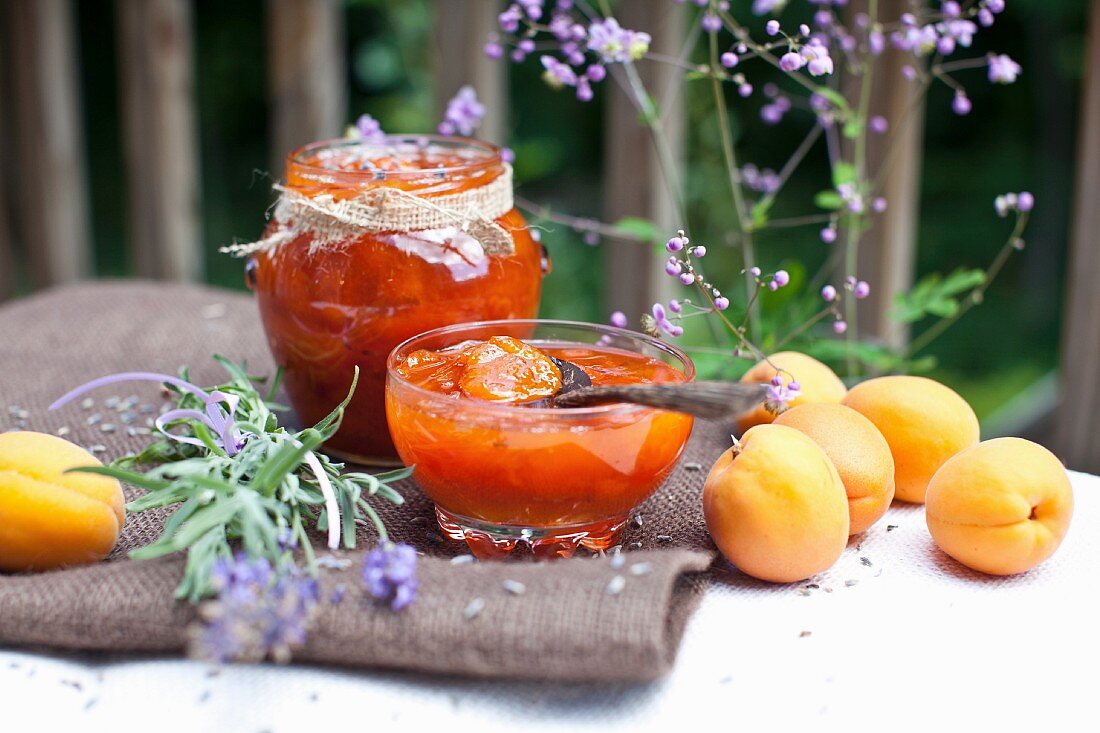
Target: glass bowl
x: 552, y: 478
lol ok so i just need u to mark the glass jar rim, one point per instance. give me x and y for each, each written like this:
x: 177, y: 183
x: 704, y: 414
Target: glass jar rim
x: 489, y: 155
x: 687, y: 367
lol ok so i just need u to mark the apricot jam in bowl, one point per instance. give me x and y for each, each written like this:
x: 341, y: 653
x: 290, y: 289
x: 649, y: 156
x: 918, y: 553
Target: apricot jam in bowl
x: 467, y: 406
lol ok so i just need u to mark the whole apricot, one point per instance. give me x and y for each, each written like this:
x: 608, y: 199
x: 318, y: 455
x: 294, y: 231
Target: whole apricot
x: 1001, y: 507
x: 859, y: 453
x: 775, y: 505
x: 49, y: 518
x: 816, y: 381
x: 924, y: 423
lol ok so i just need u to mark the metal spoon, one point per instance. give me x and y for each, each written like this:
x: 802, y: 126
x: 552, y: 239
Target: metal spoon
x: 710, y: 399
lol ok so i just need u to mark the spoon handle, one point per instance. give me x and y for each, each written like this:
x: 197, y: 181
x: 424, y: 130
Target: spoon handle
x: 701, y: 399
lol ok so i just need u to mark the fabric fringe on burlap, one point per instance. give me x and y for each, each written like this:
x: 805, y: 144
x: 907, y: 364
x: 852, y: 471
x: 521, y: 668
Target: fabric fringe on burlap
x: 329, y: 222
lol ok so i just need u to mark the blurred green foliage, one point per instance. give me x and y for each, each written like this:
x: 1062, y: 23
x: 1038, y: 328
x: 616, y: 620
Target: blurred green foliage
x: 1016, y: 138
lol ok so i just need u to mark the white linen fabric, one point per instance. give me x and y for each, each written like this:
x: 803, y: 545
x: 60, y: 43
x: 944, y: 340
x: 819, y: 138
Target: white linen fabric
x: 896, y: 636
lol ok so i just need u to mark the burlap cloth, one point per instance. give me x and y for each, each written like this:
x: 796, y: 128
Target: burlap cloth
x: 564, y: 626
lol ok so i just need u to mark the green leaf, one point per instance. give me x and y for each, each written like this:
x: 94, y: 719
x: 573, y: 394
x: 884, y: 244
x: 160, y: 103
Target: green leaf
x: 760, y: 212
x: 633, y: 227
x: 833, y: 96
x: 935, y: 295
x: 128, y: 477
x: 830, y: 200
x: 843, y: 172
x: 334, y: 416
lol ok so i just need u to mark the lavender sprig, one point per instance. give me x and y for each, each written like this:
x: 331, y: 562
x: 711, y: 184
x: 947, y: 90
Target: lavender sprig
x: 234, y: 474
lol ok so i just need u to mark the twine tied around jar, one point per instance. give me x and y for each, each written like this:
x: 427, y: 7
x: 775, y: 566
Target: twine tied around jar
x: 389, y: 209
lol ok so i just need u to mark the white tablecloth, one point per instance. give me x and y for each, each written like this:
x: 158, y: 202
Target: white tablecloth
x: 896, y: 636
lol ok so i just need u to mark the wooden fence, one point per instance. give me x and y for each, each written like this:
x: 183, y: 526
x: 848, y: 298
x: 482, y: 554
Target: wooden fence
x: 42, y: 149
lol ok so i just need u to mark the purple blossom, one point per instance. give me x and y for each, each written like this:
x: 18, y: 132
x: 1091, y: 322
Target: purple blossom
x: 754, y: 271
x: 951, y: 9
x: 828, y: 235
x: 1025, y: 201
x: 816, y: 56
x: 744, y: 89
x: 791, y: 61
x: 1002, y: 69
x: 370, y: 130
x: 764, y: 181
x: 674, y: 306
x: 596, y: 73
x: 878, y: 205
x: 878, y: 124
x: 464, y: 113
x: 828, y: 293
x: 728, y: 59
x: 673, y: 268
x: 985, y: 17
x: 494, y: 50
x: 616, y: 44
x: 389, y: 571
x: 763, y: 7
x: 711, y: 23
x: 876, y: 42
x: 995, y: 6
x: 779, y: 394
x: 772, y: 27
x: 675, y: 244
x: 840, y: 326
x: 558, y: 74
x: 687, y: 278
x: 961, y: 104
x: 861, y: 289
x: 258, y: 612
x: 781, y: 278
x: 721, y: 303
x: 619, y: 320
x: 510, y: 18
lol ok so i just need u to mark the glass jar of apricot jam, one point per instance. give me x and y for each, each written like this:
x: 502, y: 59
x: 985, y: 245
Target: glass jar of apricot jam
x: 466, y: 406
x: 383, y: 241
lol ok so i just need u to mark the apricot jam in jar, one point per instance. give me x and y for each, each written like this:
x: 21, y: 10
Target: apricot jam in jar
x: 465, y: 407
x: 372, y: 243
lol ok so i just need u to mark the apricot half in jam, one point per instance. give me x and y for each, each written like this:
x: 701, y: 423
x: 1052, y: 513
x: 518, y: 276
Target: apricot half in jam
x: 505, y: 369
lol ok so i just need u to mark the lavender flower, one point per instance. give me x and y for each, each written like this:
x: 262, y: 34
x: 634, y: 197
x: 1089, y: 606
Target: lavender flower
x: 618, y: 319
x: 791, y: 61
x: 464, y: 113
x: 711, y: 23
x: 616, y: 44
x: 1002, y: 69
x: 369, y: 130
x: 258, y: 613
x: 780, y: 394
x: 828, y: 293
x: 961, y: 104
x: 772, y: 27
x: 558, y: 74
x: 389, y: 570
x: 816, y: 56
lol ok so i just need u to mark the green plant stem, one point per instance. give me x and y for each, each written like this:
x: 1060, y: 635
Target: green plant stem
x: 851, y: 247
x: 748, y: 256
x: 665, y: 158
x: 974, y: 297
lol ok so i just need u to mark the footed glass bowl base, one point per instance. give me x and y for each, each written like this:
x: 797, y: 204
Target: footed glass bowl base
x: 487, y: 541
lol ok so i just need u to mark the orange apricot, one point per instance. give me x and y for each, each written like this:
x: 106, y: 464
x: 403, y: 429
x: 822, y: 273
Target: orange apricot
x: 924, y: 422
x: 817, y: 382
x: 1001, y: 507
x: 859, y: 453
x: 775, y: 505
x: 49, y: 518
